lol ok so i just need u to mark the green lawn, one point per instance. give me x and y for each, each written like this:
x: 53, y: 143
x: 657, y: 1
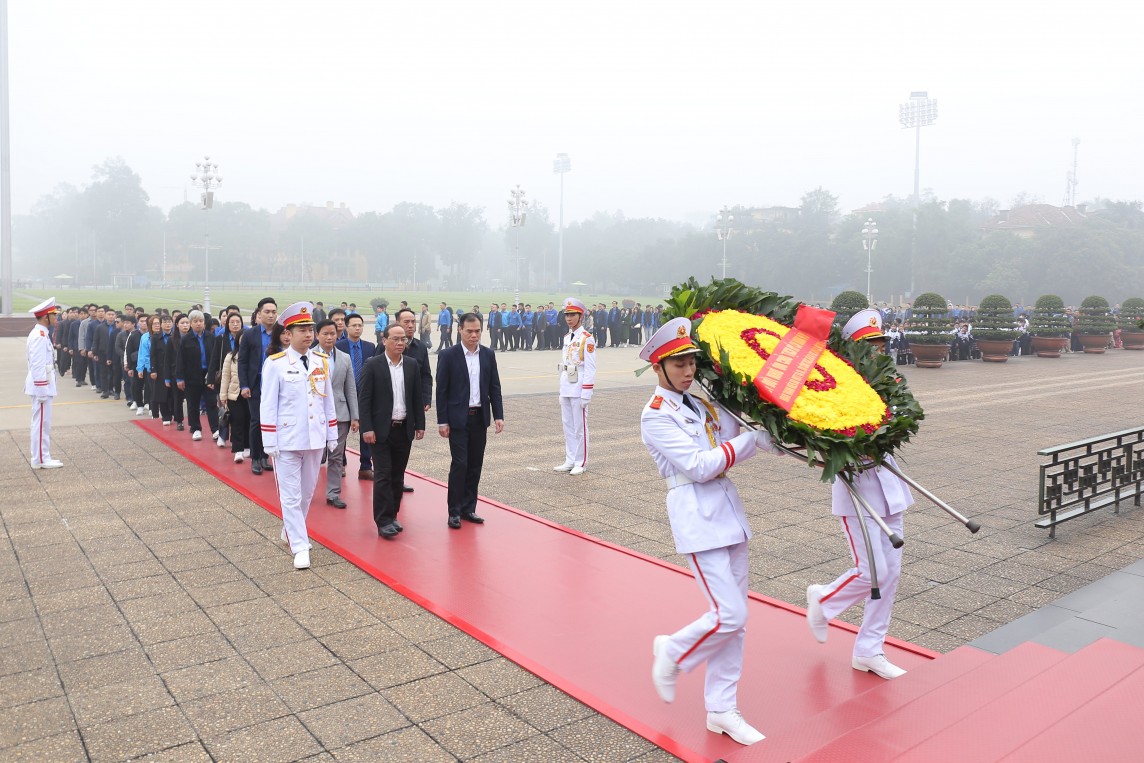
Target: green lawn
x: 181, y: 299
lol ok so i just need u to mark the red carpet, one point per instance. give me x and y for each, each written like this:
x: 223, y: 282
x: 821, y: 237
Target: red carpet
x: 577, y: 612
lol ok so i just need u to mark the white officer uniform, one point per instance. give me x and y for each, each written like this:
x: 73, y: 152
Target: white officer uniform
x: 889, y: 497
x: 577, y: 382
x: 693, y: 450
x: 40, y: 384
x: 298, y: 421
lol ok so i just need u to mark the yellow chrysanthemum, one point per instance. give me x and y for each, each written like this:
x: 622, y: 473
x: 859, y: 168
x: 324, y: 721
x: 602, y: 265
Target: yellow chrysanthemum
x: 835, y: 397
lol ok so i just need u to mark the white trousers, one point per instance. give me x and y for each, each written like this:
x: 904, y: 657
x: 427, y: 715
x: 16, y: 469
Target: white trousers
x: 41, y: 430
x: 717, y: 637
x: 574, y: 417
x: 853, y: 585
x: 296, y: 472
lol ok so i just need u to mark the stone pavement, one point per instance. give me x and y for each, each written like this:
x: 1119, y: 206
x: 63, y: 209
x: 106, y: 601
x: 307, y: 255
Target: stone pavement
x: 148, y: 610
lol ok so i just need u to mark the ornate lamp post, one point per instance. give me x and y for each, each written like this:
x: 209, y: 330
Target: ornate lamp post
x: 869, y: 242
x: 723, y: 230
x: 517, y: 214
x: 206, y: 179
x: 561, y: 165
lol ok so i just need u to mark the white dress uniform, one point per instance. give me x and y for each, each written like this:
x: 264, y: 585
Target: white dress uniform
x: 577, y: 382
x: 40, y: 384
x: 889, y: 497
x: 298, y: 421
x: 693, y: 450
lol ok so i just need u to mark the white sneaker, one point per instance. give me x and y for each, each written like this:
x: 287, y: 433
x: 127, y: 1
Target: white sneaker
x: 238, y: 458
x: 817, y: 621
x: 246, y: 452
x: 578, y: 470
x: 196, y: 436
x: 166, y: 423
x: 146, y: 406
x: 140, y: 411
x: 878, y: 665
x: 221, y: 441
x: 302, y: 562
x: 565, y: 467
x: 732, y: 724
x: 49, y: 464
x: 664, y: 670
x: 131, y: 406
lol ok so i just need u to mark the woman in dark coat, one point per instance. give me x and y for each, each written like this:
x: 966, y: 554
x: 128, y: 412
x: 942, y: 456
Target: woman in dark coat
x: 161, y: 350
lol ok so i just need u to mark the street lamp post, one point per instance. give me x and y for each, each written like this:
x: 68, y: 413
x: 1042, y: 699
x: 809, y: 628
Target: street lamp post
x: 920, y: 111
x: 206, y: 179
x: 869, y: 242
x: 517, y: 214
x: 723, y: 230
x: 561, y: 165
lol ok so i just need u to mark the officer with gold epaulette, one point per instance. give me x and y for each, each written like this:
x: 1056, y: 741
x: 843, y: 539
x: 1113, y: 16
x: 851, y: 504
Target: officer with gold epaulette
x: 40, y: 383
x: 298, y: 420
x: 694, y: 443
x: 577, y: 383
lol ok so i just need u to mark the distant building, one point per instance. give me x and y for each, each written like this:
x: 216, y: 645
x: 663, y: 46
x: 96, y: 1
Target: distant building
x: 1027, y: 220
x: 322, y: 265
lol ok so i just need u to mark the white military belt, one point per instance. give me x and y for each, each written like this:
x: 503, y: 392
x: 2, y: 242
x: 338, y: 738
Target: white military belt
x: 676, y: 480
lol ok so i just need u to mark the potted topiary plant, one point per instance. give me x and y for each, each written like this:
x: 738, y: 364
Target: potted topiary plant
x: 1094, y: 324
x: 995, y: 328
x: 928, y: 330
x: 1132, y: 324
x: 847, y: 303
x: 1049, y: 326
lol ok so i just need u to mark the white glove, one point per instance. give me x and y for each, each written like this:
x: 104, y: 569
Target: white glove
x: 272, y: 452
x: 765, y: 442
x: 332, y: 445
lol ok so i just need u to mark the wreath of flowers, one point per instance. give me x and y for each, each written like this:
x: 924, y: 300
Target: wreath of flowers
x: 849, y: 424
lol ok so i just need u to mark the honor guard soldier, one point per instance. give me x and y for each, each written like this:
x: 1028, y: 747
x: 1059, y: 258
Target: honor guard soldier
x: 298, y: 420
x: 40, y: 383
x: 577, y: 381
x: 694, y: 443
x: 888, y: 496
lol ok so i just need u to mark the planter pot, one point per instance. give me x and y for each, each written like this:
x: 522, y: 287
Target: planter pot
x: 995, y: 350
x: 929, y: 355
x: 1049, y: 346
x: 1093, y: 343
x: 1132, y: 340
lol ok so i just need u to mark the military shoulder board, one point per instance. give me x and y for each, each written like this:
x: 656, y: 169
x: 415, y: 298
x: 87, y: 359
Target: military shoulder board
x: 656, y: 402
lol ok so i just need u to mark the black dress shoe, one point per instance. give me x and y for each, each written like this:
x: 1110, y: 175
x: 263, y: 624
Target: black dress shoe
x: 389, y: 532
x: 406, y: 489
x: 266, y: 465
x: 473, y: 518
x: 255, y: 466
x: 337, y: 503
x: 398, y: 526
x: 455, y: 523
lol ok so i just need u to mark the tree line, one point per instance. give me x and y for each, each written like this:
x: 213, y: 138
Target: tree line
x: 812, y: 251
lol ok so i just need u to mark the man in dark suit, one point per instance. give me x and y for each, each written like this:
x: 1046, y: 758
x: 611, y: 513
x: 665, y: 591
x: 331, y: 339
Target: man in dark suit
x: 468, y: 400
x: 251, y: 356
x: 192, y: 359
x: 392, y: 417
x: 415, y: 349
x: 359, y: 350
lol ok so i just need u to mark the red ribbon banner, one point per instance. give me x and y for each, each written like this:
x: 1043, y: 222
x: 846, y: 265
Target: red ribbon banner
x: 781, y: 379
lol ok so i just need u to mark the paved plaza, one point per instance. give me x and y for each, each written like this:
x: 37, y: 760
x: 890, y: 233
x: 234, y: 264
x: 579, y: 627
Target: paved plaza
x: 149, y: 610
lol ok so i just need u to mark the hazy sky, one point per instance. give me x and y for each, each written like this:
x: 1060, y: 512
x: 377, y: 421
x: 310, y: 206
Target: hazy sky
x: 667, y: 109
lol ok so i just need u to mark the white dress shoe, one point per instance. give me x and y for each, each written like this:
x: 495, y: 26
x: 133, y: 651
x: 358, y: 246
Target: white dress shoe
x: 196, y: 436
x: 814, y: 617
x: 578, y: 470
x: 732, y: 724
x: 49, y: 464
x: 664, y: 670
x: 238, y: 458
x: 565, y: 467
x: 878, y: 665
x: 282, y: 536
x: 302, y: 560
